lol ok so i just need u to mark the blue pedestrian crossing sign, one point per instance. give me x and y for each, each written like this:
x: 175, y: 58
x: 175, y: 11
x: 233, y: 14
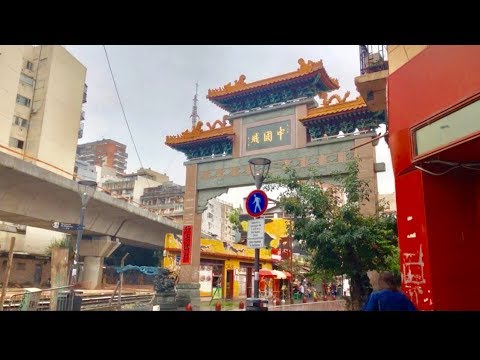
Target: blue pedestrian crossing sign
x: 256, y: 203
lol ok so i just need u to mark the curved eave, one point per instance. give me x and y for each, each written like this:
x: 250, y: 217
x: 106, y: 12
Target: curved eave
x: 182, y: 143
x: 356, y: 104
x: 350, y: 114
x: 252, y: 89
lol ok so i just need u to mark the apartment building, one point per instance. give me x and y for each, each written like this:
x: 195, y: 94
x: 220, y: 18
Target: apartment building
x: 215, y: 221
x: 166, y: 199
x: 130, y: 187
x: 105, y: 152
x: 42, y: 91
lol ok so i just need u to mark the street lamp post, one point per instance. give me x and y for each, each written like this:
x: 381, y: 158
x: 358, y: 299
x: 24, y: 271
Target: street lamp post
x: 259, y: 168
x: 86, y: 189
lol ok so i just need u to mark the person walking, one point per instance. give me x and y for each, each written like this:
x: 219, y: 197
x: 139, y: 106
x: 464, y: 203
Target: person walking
x: 388, y: 298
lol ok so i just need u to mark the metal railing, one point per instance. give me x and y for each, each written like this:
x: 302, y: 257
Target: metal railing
x: 31, y: 300
x: 373, y: 58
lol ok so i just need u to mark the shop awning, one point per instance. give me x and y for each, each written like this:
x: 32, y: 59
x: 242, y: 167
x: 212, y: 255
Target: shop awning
x: 266, y: 273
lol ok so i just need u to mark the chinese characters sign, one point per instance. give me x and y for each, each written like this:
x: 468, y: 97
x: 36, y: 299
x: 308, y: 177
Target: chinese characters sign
x: 267, y: 136
x: 186, y: 257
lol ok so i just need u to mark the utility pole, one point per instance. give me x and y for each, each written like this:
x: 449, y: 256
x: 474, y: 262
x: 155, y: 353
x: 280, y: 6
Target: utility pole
x: 6, y: 277
x: 194, y: 115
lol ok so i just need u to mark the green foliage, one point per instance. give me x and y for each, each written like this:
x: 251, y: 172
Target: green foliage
x: 62, y: 242
x: 338, y: 236
x: 294, y: 267
x: 234, y: 218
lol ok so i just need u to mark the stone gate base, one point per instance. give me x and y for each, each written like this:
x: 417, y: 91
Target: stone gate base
x: 188, y: 293
x: 166, y: 301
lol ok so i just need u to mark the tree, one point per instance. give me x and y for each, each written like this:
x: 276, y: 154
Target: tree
x: 234, y: 219
x: 338, y: 236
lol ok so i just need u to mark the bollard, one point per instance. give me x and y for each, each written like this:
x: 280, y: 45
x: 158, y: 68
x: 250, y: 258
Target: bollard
x: 188, y: 307
x: 315, y: 299
x: 276, y: 301
x: 218, y: 306
x: 241, y: 305
x: 304, y: 300
x: 324, y: 297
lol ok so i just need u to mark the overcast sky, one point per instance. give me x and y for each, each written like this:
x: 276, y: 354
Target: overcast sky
x: 157, y: 85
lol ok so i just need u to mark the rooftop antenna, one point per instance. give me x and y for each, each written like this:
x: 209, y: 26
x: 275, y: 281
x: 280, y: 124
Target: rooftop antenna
x: 194, y: 115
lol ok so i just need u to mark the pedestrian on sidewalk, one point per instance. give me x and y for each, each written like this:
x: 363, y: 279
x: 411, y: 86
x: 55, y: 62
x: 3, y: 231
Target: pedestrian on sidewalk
x: 388, y: 298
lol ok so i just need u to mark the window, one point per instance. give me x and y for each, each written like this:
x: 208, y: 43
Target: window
x: 29, y: 66
x: 20, y: 121
x: 42, y: 63
x: 20, y: 266
x: 22, y: 100
x: 27, y: 80
x: 16, y: 143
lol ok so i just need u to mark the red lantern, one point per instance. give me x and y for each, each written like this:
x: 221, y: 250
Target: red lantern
x: 218, y: 306
x: 188, y: 307
x: 241, y: 305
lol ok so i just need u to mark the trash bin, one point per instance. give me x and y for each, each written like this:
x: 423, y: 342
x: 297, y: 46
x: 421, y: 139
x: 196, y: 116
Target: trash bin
x: 64, y: 300
x: 256, y: 304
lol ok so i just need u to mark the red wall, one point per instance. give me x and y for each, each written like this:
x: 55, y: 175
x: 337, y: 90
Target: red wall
x: 434, y: 80
x: 443, y: 210
x: 454, y: 248
x: 412, y: 238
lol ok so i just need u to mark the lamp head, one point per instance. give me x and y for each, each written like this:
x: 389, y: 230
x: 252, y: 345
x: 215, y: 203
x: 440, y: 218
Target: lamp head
x: 259, y: 168
x: 87, y: 188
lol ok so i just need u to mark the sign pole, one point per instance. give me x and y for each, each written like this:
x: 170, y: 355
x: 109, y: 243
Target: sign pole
x: 256, y: 205
x: 256, y: 267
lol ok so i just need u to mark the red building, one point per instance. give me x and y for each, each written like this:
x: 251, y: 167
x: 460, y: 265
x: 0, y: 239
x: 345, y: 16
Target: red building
x: 433, y: 106
x: 104, y: 152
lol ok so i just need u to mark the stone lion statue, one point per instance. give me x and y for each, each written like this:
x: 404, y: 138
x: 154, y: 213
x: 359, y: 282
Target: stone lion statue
x: 164, y: 281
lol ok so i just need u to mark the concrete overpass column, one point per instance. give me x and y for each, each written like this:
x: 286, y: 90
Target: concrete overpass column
x: 94, y: 251
x: 188, y: 287
x: 92, y: 272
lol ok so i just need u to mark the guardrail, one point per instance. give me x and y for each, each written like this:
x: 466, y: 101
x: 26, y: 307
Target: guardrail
x: 89, y: 303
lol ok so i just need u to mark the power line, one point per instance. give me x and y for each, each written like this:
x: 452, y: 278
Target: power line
x: 121, y: 105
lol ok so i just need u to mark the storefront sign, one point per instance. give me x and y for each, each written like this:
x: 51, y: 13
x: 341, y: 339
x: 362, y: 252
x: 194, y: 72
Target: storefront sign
x: 186, y: 257
x: 268, y: 136
x: 205, y: 279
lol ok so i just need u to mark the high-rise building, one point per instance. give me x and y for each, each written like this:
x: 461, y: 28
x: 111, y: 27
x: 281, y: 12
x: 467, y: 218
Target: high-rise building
x: 42, y: 90
x: 166, y: 199
x: 104, y: 152
x: 130, y: 187
x: 215, y: 221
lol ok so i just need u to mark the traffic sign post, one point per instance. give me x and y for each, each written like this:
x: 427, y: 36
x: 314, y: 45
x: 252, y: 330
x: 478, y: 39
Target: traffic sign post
x: 256, y: 203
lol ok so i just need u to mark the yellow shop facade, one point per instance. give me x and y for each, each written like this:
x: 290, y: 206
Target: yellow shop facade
x: 226, y: 269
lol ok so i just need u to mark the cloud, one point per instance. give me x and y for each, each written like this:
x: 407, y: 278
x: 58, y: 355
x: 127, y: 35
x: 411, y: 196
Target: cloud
x: 157, y: 85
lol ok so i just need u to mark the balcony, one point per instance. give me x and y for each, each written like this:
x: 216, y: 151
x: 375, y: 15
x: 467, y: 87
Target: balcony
x: 85, y: 94
x: 372, y: 82
x: 80, y: 131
